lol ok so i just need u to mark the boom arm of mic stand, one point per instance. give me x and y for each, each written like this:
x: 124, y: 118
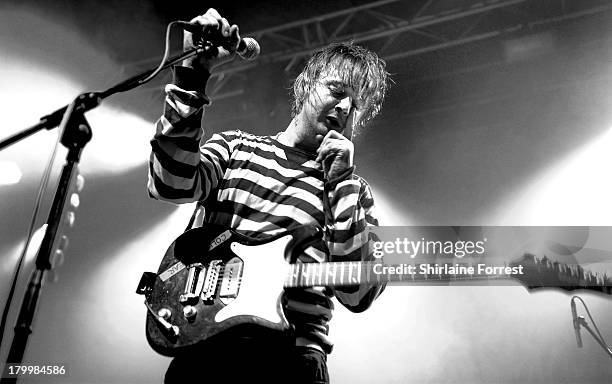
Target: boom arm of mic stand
x: 53, y: 119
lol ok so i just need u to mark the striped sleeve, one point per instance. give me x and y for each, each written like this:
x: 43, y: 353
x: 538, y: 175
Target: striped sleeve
x: 350, y: 210
x: 180, y: 171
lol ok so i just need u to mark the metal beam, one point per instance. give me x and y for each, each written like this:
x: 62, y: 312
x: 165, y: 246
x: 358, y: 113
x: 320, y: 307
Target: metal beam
x: 291, y: 42
x: 373, y: 34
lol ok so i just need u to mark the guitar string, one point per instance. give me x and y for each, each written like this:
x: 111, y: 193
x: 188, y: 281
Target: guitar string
x: 371, y: 264
x: 296, y: 281
x: 350, y: 265
x: 299, y: 279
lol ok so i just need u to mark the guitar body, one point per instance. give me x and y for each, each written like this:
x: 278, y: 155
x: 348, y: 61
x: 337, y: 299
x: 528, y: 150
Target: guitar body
x: 213, y: 280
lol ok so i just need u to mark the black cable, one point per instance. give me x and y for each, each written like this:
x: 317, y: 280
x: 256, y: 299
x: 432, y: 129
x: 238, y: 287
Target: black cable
x: 165, y: 57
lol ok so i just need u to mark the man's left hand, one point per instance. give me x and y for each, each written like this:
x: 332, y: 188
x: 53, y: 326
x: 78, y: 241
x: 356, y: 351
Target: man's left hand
x: 335, y: 154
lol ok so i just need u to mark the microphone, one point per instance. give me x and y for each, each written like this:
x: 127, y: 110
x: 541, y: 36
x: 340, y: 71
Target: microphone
x: 248, y: 48
x: 576, y: 322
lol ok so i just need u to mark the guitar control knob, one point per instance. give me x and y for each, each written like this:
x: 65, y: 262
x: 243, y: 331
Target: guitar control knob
x: 164, y: 313
x: 190, y: 312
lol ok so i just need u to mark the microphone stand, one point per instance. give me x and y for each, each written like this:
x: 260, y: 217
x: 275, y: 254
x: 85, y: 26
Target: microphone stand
x: 581, y: 321
x: 76, y: 134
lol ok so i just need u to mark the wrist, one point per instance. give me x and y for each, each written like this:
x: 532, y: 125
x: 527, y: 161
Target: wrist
x: 346, y: 174
x: 190, y: 78
x: 196, y: 65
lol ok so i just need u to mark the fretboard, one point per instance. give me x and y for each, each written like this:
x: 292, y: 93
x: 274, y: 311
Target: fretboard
x: 354, y: 272
x: 537, y: 273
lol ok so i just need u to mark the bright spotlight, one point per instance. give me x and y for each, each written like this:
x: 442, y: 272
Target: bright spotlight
x: 385, y: 211
x: 9, y: 173
x: 576, y: 191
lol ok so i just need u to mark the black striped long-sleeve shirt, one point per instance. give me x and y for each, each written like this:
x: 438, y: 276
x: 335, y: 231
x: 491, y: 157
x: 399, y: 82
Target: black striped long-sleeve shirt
x: 258, y: 186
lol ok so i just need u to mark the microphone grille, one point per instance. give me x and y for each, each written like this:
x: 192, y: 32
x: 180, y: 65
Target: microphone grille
x: 251, y: 49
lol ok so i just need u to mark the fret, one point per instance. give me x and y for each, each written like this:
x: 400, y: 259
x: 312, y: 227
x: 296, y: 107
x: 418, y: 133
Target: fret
x: 313, y: 273
x: 335, y: 272
x: 358, y: 273
x: 341, y: 273
x: 288, y: 278
x: 349, y: 272
x: 303, y: 275
x: 352, y: 279
x: 295, y: 275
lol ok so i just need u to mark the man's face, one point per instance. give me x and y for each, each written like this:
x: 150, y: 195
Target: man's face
x: 331, y: 105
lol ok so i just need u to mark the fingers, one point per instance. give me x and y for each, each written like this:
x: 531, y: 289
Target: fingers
x: 334, y: 143
x: 213, y: 24
x: 213, y: 13
x: 234, y: 37
x: 211, y: 17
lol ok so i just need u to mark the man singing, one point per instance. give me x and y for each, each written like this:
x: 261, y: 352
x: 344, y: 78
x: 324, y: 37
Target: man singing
x: 263, y: 185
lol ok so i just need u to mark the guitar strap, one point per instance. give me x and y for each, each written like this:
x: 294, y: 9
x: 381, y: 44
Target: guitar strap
x: 197, y: 217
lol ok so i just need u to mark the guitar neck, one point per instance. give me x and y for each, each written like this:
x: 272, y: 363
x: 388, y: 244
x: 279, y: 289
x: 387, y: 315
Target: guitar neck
x: 355, y: 272
x: 534, y: 273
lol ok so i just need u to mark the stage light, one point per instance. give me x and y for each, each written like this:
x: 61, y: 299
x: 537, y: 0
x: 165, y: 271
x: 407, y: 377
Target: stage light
x: 9, y: 173
x: 120, y: 141
x: 385, y: 212
x: 37, y: 78
x: 576, y: 191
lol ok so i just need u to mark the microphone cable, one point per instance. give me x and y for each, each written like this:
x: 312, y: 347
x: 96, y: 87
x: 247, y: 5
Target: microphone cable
x: 165, y: 57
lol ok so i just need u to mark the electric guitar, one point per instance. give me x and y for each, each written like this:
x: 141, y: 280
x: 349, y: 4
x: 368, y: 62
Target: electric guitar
x: 213, y: 280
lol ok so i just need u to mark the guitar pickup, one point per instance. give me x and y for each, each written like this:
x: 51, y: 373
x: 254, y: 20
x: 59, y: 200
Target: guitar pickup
x: 210, y: 284
x: 194, y: 284
x: 230, y: 283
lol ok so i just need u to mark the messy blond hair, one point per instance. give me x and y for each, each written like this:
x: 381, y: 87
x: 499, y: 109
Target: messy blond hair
x: 358, y: 67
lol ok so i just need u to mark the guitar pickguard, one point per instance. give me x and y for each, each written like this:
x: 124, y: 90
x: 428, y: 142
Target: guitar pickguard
x: 262, y: 282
